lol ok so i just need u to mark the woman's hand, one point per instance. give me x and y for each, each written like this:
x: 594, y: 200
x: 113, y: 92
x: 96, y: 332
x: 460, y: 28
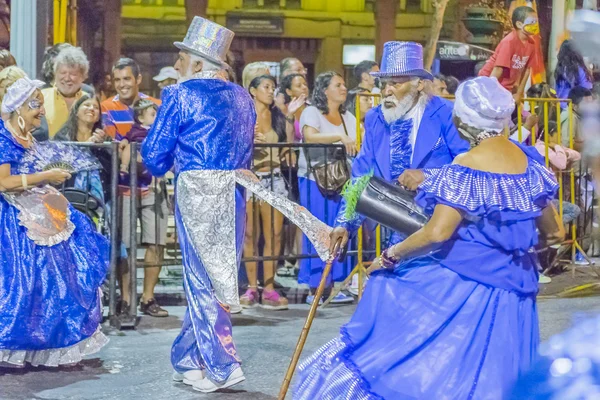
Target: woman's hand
x: 56, y: 176
x: 531, y: 121
x: 350, y: 145
x: 259, y: 137
x: 375, y: 265
x: 295, y: 105
x: 99, y: 136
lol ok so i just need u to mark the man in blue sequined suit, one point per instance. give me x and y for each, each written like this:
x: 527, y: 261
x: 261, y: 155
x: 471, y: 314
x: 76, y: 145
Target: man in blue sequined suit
x: 411, y: 130
x: 205, y: 129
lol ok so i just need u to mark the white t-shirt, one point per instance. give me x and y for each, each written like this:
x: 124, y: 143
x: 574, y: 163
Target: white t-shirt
x: 313, y: 117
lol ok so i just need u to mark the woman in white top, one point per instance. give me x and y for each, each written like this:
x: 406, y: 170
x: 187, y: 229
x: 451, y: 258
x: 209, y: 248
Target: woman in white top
x: 327, y: 121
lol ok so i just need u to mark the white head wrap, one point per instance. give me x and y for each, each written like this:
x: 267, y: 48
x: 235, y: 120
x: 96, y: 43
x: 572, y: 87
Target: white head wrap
x: 482, y: 103
x: 18, y: 93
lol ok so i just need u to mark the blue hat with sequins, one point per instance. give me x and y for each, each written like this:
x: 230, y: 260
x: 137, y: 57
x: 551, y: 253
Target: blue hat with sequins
x: 207, y: 39
x: 402, y: 59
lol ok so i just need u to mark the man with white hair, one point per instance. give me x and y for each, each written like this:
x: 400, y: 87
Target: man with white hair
x: 410, y: 131
x: 205, y: 130
x: 71, y: 68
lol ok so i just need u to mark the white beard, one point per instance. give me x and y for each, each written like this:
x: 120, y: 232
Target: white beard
x: 401, y: 108
x: 188, y: 74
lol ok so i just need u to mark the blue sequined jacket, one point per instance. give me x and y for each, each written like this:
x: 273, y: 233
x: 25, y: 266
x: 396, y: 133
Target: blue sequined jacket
x: 386, y: 150
x: 202, y: 124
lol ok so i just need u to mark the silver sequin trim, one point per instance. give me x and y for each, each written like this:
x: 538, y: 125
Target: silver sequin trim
x: 206, y: 200
x: 54, y: 357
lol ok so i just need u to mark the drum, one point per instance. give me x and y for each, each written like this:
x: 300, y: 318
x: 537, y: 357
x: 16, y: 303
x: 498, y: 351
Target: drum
x: 391, y: 206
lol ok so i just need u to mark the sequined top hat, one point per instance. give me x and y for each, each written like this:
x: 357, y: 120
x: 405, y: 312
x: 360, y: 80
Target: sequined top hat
x: 483, y: 103
x: 207, y: 39
x: 402, y: 59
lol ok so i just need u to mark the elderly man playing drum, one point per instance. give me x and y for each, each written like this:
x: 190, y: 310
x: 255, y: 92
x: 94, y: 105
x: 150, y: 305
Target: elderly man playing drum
x: 411, y: 130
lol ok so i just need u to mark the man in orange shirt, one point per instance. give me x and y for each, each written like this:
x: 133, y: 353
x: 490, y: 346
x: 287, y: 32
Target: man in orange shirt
x: 117, y: 112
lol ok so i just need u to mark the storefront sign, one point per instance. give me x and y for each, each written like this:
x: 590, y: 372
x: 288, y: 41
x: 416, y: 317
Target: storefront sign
x: 256, y: 24
x: 456, y: 51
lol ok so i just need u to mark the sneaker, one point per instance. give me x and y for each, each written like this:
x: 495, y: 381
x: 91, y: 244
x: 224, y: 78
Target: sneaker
x: 235, y: 309
x: 249, y: 299
x: 353, y: 289
x: 580, y: 260
x: 177, y: 377
x: 193, y: 376
x: 271, y: 300
x: 311, y: 297
x: 207, y: 385
x: 342, y: 298
x: 152, y: 309
x: 544, y: 279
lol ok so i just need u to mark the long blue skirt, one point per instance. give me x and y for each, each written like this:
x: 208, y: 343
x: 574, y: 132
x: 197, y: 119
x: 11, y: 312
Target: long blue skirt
x: 425, y: 332
x: 49, y: 295
x: 325, y: 210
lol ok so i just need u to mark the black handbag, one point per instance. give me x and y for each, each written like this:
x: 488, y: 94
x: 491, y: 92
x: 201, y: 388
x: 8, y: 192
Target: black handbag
x: 331, y: 171
x: 391, y: 206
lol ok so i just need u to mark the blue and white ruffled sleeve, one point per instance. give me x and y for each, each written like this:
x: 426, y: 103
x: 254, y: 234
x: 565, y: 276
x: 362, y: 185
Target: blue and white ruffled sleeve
x: 480, y: 193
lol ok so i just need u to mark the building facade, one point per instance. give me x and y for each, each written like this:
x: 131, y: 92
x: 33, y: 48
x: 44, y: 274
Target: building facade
x: 315, y: 31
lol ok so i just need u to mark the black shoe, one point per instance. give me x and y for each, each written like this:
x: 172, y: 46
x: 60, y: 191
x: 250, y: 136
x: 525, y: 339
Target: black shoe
x: 123, y: 308
x: 152, y: 309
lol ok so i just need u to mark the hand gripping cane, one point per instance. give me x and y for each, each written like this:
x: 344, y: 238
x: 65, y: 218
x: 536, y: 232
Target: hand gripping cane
x: 307, y: 324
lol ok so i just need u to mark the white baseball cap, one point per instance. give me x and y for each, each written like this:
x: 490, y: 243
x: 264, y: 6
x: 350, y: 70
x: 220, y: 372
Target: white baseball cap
x: 166, y: 73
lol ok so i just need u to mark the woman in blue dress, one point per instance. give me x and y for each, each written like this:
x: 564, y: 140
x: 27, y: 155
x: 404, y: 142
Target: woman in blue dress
x: 450, y: 313
x: 52, y: 262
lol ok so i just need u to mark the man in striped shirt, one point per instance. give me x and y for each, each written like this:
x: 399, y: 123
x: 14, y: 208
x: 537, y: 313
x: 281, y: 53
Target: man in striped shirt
x: 118, y: 116
x: 117, y: 112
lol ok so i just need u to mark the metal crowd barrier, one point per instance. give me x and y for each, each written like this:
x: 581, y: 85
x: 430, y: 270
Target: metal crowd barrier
x: 112, y: 148
x: 580, y: 231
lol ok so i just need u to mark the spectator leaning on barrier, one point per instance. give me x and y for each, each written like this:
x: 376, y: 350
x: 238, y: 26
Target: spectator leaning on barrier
x: 513, y: 57
x: 327, y: 122
x: 271, y: 127
x: 85, y: 125
x: 118, y: 111
x: 71, y: 68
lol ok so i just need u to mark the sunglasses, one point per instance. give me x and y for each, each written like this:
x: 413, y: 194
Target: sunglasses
x: 34, y: 104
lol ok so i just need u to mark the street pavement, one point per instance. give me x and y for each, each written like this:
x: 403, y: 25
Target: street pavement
x: 135, y: 364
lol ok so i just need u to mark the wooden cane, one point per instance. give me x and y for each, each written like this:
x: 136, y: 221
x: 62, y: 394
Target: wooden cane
x: 304, y: 334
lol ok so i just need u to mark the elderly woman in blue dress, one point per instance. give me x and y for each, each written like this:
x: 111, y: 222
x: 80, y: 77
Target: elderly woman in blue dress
x: 52, y: 262
x: 450, y: 312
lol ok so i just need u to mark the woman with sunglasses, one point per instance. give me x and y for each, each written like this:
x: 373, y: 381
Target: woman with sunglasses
x: 52, y: 261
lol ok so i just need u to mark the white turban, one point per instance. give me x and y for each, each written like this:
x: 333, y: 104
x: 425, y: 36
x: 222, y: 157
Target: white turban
x: 18, y: 93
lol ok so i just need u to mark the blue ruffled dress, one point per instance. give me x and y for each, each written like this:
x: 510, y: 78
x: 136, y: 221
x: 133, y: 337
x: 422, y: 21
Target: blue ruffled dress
x: 459, y: 323
x: 50, y: 309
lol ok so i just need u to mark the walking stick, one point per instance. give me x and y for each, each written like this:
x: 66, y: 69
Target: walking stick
x: 304, y: 334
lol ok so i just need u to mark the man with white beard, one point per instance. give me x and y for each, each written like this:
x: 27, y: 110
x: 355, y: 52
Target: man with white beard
x: 411, y: 130
x: 205, y: 130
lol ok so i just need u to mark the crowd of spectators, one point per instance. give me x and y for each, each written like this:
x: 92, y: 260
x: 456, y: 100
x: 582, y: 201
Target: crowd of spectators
x: 287, y: 112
